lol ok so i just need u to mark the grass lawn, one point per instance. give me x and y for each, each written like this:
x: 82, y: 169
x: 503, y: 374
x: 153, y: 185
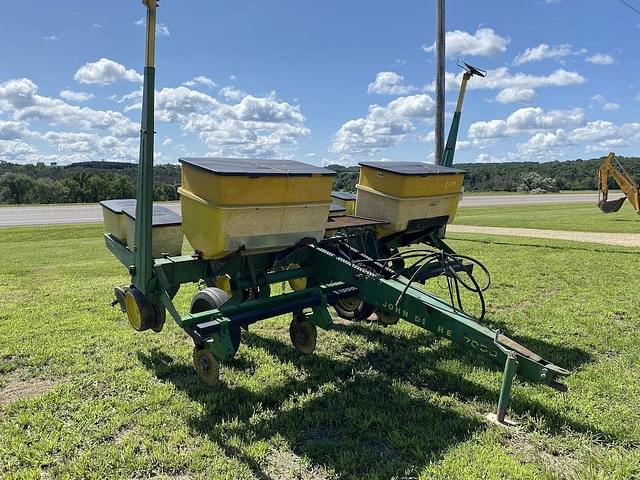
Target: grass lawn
x: 84, y: 396
x: 581, y: 217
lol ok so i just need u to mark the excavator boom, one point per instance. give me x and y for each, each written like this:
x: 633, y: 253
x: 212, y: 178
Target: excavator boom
x: 612, y: 167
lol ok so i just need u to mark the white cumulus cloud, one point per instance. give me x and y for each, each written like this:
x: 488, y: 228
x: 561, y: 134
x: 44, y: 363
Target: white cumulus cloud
x: 484, y: 43
x: 19, y: 97
x: 77, y: 97
x: 604, y: 104
x: 601, y: 59
x: 541, y: 52
x: 390, y: 83
x: 200, y: 80
x: 106, y: 71
x: 383, y: 127
x: 527, y: 119
x: 515, y: 95
x: 255, y: 126
x: 232, y: 93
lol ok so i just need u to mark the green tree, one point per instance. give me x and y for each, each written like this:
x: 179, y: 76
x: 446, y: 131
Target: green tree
x: 14, y: 187
x: 46, y: 190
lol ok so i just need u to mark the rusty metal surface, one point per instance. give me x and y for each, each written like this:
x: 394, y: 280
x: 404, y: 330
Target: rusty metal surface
x: 341, y: 222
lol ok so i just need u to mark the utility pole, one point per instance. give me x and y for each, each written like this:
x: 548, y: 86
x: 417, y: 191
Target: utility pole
x: 440, y: 84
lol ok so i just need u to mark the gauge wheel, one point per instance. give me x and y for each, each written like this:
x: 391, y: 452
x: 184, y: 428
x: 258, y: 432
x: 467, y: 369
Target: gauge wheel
x: 303, y: 334
x: 140, y: 311
x: 353, y: 308
x: 206, y: 365
x: 210, y: 298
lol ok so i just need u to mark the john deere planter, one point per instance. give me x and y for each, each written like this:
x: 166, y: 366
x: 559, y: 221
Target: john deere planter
x: 254, y: 223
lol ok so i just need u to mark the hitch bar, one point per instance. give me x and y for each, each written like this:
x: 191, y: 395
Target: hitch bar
x: 431, y: 313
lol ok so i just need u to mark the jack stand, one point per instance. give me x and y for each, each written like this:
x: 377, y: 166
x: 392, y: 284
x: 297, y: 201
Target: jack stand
x: 510, y: 367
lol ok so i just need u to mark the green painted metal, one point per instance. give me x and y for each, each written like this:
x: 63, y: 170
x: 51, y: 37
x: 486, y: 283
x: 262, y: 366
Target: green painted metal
x: 431, y: 313
x: 510, y: 368
x: 450, y: 148
x: 305, y: 298
x: 143, y: 274
x: 276, y: 277
x: 220, y: 344
x: 120, y: 251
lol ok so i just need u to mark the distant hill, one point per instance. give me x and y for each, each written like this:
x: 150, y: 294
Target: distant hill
x: 96, y: 181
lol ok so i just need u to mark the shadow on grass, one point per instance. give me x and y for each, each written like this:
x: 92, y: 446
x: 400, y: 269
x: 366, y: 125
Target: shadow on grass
x: 372, y: 415
x: 344, y: 415
x: 602, y: 249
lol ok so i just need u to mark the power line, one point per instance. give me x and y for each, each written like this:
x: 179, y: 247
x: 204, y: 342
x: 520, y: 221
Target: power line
x: 628, y: 5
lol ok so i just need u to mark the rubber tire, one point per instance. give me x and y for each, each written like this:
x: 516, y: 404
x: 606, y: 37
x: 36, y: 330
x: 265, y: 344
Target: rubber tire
x: 361, y: 312
x: 303, y: 334
x: 160, y: 317
x: 145, y: 309
x: 210, y: 298
x: 206, y: 365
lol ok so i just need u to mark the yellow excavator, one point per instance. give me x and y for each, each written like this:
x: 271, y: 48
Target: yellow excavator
x: 611, y: 166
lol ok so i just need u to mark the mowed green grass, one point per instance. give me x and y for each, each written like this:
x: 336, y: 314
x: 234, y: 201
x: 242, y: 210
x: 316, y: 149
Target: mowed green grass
x: 580, y: 217
x: 106, y: 402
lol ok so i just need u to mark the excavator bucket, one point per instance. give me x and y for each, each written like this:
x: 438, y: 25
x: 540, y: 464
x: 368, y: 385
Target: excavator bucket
x: 611, y: 206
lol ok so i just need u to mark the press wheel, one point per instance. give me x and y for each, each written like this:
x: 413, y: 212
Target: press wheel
x: 303, y: 334
x: 206, y: 365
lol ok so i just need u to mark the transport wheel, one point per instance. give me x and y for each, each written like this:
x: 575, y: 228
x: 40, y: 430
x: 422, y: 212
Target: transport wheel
x: 303, y: 334
x: 210, y: 298
x: 140, y: 311
x: 206, y: 365
x: 160, y: 316
x: 353, y: 308
x: 386, y: 318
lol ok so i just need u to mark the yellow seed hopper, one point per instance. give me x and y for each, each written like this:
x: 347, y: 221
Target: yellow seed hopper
x: 252, y: 205
x: 402, y: 192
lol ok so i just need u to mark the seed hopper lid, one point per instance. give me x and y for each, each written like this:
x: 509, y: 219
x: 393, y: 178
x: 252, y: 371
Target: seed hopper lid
x: 162, y: 216
x: 117, y: 206
x: 254, y: 167
x: 412, y: 168
x: 335, y: 208
x: 347, y: 196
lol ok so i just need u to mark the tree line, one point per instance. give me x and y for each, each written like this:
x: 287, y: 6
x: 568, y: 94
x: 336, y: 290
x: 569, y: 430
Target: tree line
x: 517, y: 176
x: 81, y: 182
x: 96, y: 181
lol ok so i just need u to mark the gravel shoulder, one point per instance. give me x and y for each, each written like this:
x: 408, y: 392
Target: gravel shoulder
x: 618, y: 239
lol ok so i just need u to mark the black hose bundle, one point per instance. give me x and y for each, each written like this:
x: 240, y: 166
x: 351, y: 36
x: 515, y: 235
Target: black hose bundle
x: 449, y: 263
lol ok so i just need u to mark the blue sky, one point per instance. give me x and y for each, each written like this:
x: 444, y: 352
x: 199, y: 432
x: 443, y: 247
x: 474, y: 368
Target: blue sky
x: 324, y: 82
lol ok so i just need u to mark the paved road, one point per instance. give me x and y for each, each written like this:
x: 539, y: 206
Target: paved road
x: 92, y: 213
